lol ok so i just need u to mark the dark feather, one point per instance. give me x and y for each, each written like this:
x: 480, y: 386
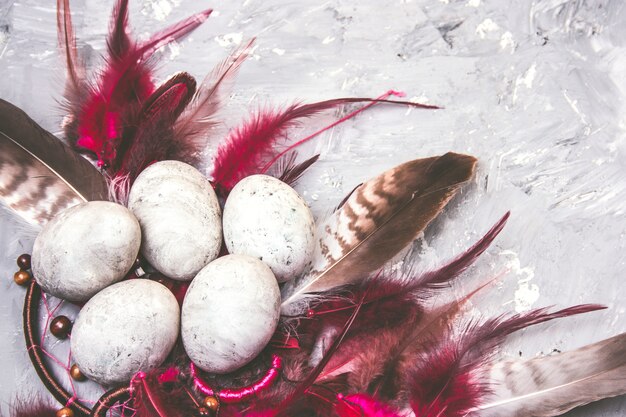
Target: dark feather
x: 39, y: 175
x: 290, y: 172
x: 32, y: 407
x: 379, y: 219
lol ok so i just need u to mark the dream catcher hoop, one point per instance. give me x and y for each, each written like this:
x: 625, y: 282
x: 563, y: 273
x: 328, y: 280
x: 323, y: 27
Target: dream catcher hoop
x: 336, y: 332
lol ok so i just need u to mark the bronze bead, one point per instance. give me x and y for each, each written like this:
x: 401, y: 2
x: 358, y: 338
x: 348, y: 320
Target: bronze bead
x: 77, y: 374
x: 211, y: 403
x: 23, y: 261
x: 60, y: 326
x: 65, y: 412
x: 21, y: 277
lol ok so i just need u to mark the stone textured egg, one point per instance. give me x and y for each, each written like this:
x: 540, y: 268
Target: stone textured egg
x: 180, y: 218
x: 229, y: 313
x: 267, y: 219
x: 84, y: 249
x: 128, y: 327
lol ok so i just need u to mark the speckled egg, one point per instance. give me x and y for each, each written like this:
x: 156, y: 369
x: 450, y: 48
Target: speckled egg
x: 267, y: 219
x: 230, y: 312
x: 128, y: 327
x: 180, y: 218
x: 84, y: 249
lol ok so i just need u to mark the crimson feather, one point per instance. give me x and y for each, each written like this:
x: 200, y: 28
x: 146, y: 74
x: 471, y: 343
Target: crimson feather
x: 445, y: 378
x: 250, y: 147
x: 107, y: 117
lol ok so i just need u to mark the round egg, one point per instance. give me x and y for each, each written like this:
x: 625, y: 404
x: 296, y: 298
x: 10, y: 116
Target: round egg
x: 267, y: 219
x: 128, y: 327
x: 230, y: 312
x: 180, y: 218
x: 84, y: 249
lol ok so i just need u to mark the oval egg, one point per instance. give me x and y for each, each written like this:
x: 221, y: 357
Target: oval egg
x: 180, y: 218
x: 84, y: 249
x: 128, y: 327
x: 230, y: 312
x: 267, y: 219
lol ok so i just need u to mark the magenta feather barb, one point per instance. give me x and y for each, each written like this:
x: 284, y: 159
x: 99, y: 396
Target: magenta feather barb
x: 446, y: 378
x: 104, y: 117
x: 252, y: 147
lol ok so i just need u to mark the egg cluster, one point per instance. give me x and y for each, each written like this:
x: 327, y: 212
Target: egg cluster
x: 174, y: 219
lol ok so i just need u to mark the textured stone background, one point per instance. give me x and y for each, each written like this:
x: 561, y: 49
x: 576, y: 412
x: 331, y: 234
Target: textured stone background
x: 534, y: 89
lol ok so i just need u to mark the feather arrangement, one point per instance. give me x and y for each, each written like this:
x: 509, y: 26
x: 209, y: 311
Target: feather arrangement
x: 353, y: 339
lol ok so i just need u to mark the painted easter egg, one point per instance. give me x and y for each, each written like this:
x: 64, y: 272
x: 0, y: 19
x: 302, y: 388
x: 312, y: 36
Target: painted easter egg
x: 267, y: 219
x: 180, y: 218
x: 84, y: 249
x: 128, y: 327
x: 230, y: 312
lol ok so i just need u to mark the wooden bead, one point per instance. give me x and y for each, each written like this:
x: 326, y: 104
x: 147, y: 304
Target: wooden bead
x: 60, y: 327
x: 21, y: 277
x: 23, y: 261
x: 65, y: 412
x: 211, y: 403
x: 76, y: 373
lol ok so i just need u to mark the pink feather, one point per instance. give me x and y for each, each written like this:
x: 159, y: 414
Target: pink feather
x: 363, y: 405
x: 250, y: 147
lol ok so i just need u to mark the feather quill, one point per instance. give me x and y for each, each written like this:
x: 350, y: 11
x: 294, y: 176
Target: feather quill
x: 552, y: 385
x: 39, y: 175
x: 378, y: 220
x: 250, y: 147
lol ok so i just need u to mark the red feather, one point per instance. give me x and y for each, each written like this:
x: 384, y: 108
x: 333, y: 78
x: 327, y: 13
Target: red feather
x: 251, y: 148
x: 444, y: 380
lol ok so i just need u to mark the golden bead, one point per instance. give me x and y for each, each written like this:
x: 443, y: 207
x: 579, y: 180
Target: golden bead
x: 211, y: 403
x: 65, y: 412
x: 21, y: 277
x: 76, y: 373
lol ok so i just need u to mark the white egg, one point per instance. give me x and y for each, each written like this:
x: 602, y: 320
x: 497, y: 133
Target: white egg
x: 267, y: 219
x: 230, y: 312
x: 126, y: 328
x: 180, y: 218
x: 84, y: 249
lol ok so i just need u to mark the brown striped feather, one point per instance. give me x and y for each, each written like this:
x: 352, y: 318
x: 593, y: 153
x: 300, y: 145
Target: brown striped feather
x: 39, y: 175
x: 378, y: 220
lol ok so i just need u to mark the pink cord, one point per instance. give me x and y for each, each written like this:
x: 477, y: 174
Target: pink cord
x: 230, y: 395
